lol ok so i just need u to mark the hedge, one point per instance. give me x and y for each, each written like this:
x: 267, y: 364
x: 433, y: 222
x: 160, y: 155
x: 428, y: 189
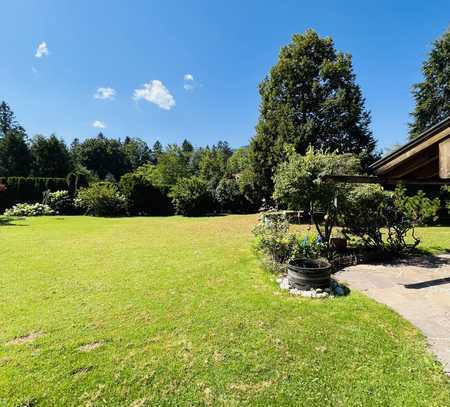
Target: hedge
x: 30, y: 189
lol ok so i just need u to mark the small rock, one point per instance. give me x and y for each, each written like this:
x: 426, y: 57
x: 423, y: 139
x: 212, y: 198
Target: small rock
x: 339, y: 291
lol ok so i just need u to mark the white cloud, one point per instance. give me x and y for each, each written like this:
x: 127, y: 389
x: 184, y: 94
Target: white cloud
x: 189, y: 83
x: 155, y: 92
x: 105, y: 93
x: 42, y: 50
x: 98, y: 124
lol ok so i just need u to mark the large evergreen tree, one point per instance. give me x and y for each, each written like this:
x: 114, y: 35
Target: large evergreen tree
x: 432, y: 96
x: 103, y: 156
x: 310, y: 97
x: 8, y: 120
x: 15, y: 157
x: 50, y: 157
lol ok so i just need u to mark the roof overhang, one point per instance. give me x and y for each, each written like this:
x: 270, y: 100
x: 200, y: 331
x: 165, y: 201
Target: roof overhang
x: 426, y: 157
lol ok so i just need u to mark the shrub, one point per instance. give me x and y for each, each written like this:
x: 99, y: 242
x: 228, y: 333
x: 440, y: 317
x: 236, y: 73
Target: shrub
x: 273, y: 239
x: 101, y: 199
x: 301, y: 183
x: 383, y: 219
x: 25, y: 209
x: 406, y: 213
x: 230, y: 198
x: 59, y: 201
x: 143, y: 197
x: 363, y: 214
x: 191, y: 197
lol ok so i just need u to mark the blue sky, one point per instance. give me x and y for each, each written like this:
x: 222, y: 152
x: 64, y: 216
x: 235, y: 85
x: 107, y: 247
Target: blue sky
x: 143, y: 50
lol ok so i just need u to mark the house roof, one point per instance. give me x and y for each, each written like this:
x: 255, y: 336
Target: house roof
x: 415, y: 155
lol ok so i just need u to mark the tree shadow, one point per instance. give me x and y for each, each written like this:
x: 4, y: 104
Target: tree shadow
x: 429, y: 283
x: 426, y: 261
x: 7, y: 221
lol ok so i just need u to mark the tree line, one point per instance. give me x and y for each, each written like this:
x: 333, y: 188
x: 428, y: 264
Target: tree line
x: 310, y: 98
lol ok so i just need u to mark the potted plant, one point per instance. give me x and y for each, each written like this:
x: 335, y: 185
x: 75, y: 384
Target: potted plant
x: 307, y: 270
x: 307, y: 274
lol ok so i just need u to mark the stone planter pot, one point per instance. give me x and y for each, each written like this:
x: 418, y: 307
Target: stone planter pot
x: 306, y: 274
x: 338, y: 243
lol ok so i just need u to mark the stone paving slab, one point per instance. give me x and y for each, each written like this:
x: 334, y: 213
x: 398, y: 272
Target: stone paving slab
x: 418, y: 289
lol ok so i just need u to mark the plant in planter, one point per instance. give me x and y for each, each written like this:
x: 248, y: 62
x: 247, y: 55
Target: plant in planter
x: 307, y: 274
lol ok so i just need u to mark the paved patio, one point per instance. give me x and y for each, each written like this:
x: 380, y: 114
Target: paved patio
x: 418, y: 289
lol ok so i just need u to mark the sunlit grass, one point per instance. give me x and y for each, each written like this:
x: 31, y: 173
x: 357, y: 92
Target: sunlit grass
x: 178, y: 311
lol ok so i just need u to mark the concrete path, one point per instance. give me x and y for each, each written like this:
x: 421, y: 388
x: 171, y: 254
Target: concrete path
x: 418, y: 289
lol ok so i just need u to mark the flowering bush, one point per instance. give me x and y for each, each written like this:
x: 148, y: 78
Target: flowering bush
x: 273, y: 238
x: 24, y: 209
x: 59, y: 201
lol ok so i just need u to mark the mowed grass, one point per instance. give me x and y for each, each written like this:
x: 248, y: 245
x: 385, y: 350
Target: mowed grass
x: 434, y: 239
x: 178, y: 311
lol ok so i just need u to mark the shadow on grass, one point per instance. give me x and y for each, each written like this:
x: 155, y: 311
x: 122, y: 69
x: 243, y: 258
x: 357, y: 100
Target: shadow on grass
x: 7, y: 221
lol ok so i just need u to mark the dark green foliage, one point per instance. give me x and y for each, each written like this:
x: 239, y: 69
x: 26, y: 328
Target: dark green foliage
x: 432, y: 96
x: 230, y: 197
x: 101, y: 199
x: 383, y: 219
x: 102, y: 156
x: 187, y: 146
x: 192, y: 197
x: 50, y: 157
x: 143, y: 197
x: 309, y: 98
x: 15, y: 157
x: 28, y: 190
x: 363, y: 215
x: 8, y: 120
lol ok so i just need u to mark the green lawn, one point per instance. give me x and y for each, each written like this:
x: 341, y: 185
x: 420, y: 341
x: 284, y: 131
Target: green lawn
x: 434, y: 239
x: 177, y: 311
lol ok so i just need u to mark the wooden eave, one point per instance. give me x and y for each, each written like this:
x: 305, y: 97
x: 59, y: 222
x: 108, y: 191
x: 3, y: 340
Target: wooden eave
x: 420, y: 159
